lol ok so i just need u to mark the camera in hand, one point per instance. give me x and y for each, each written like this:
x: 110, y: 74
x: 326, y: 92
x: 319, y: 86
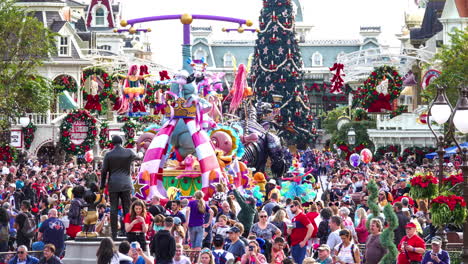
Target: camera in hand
x: 251, y: 248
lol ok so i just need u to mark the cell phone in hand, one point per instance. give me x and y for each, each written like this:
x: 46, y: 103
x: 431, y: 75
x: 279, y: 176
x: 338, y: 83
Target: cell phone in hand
x: 251, y: 248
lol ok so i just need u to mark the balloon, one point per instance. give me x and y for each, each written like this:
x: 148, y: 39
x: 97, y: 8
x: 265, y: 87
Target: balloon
x: 88, y: 156
x: 366, y: 156
x: 354, y: 159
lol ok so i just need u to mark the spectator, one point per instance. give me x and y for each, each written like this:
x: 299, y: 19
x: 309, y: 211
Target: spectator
x: 436, y: 255
x: 179, y: 257
x: 137, y: 254
x: 25, y: 225
x: 23, y: 257
x: 277, y: 251
x: 74, y: 215
x: 156, y: 208
x: 280, y: 220
x: 124, y: 250
x: 90, y: 177
x: 324, y: 254
x: 402, y: 221
x: 247, y: 212
x: 52, y: 231
x: 312, y: 215
x: 205, y: 257
x: 137, y: 222
x: 411, y: 246
x: 4, y: 229
x: 221, y: 227
x: 272, y: 203
x: 324, y: 227
x: 361, y: 229
x: 237, y: 247
x: 300, y: 231
x: 178, y: 231
x: 49, y: 255
x: 263, y: 229
x: 347, y: 251
x: 252, y: 254
x: 220, y: 255
x: 195, y: 218
x: 374, y: 249
x: 163, y: 244
x: 106, y: 252
x: 334, y: 237
x: 226, y: 211
x: 175, y: 211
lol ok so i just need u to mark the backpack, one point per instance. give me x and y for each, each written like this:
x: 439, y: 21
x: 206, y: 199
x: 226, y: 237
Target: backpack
x: 220, y: 258
x: 352, y: 251
x: 29, y: 226
x: 4, y: 232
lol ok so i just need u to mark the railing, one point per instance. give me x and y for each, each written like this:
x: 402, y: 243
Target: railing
x: 42, y: 118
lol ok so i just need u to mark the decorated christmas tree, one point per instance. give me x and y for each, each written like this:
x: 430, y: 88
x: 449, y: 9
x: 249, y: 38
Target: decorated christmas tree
x: 276, y: 74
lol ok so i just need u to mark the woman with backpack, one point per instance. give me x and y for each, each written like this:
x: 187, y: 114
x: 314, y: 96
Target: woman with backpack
x: 347, y: 251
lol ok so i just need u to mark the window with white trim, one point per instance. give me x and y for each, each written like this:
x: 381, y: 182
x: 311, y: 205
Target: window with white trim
x: 317, y: 59
x: 100, y: 17
x: 228, y: 59
x: 105, y: 47
x: 199, y: 54
x: 64, y: 46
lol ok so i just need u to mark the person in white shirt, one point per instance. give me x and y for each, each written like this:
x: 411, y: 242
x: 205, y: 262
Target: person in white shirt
x: 5, y: 169
x: 334, y: 237
x: 179, y: 257
x: 219, y: 252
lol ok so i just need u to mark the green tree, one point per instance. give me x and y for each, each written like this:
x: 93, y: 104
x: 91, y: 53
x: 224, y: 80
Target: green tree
x: 277, y: 75
x: 24, y: 45
x: 453, y: 62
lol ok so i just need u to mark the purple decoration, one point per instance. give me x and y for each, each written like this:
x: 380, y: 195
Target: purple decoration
x: 186, y: 34
x: 354, y: 159
x: 138, y: 30
x: 168, y: 17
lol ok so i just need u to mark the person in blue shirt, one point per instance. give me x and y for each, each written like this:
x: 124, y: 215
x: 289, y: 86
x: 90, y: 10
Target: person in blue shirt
x: 436, y: 255
x: 23, y: 257
x: 52, y: 231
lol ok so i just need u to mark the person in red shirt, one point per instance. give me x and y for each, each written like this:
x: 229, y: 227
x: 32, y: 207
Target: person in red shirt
x: 312, y: 214
x: 411, y: 246
x: 137, y: 222
x: 300, y: 230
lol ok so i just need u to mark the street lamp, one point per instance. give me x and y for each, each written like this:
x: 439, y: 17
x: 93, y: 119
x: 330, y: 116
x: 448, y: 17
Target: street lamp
x: 351, y: 136
x: 441, y: 111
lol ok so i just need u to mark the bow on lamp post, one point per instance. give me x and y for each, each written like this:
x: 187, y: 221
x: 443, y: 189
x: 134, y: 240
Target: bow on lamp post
x: 441, y: 111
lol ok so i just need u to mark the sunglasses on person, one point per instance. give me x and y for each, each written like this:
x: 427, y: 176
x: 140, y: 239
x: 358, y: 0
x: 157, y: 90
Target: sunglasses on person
x: 263, y: 216
x: 21, y: 252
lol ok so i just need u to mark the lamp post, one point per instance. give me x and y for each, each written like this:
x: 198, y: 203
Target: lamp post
x: 351, y: 136
x: 441, y: 111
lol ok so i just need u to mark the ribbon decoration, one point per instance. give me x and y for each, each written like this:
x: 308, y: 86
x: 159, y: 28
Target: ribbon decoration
x: 163, y: 75
x: 337, y: 81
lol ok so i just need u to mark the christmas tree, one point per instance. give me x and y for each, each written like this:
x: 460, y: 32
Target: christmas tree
x: 277, y: 76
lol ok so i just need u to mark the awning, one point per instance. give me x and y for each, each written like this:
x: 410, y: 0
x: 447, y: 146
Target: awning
x: 407, y: 91
x: 448, y: 151
x: 66, y: 102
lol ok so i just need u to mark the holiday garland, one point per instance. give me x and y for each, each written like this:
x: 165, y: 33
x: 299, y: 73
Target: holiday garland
x: 418, y: 152
x: 424, y: 186
x: 399, y: 110
x: 381, y: 151
x: 65, y: 83
x: 372, y: 202
x: 149, y: 119
x: 130, y: 128
x: 448, y: 209
x: 67, y: 124
x: 8, y: 153
x: 151, y: 91
x: 28, y: 133
x: 104, y: 141
x: 371, y: 99
x: 388, y: 235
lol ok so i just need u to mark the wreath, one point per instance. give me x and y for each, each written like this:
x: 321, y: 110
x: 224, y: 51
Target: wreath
x: 130, y: 128
x: 373, y: 100
x: 65, y: 83
x: 381, y: 151
x: 104, y: 141
x: 93, y: 103
x: 28, y: 133
x: 65, y: 132
x: 8, y: 153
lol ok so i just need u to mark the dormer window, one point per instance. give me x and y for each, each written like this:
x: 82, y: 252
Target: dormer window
x: 228, y: 58
x: 100, y: 17
x: 200, y: 54
x: 317, y: 59
x: 64, y: 46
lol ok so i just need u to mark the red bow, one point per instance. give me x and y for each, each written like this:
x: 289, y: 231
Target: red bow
x: 336, y: 79
x: 163, y: 75
x: 92, y: 103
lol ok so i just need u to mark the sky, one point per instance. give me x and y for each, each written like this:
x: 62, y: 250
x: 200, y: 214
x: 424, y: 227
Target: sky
x: 332, y: 19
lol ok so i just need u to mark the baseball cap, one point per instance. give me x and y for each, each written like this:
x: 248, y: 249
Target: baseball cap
x: 177, y: 220
x: 234, y: 229
x: 410, y: 225
x: 219, y: 238
x: 436, y: 240
x: 324, y: 247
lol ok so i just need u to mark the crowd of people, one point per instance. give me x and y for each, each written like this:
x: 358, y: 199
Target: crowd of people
x: 41, y: 207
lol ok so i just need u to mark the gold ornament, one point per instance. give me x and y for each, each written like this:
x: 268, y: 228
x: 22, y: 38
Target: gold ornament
x: 115, y: 30
x: 123, y: 23
x: 132, y: 30
x: 149, y: 30
x: 186, y: 19
x: 249, y: 23
x: 223, y: 29
x: 240, y: 30
x: 257, y: 30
